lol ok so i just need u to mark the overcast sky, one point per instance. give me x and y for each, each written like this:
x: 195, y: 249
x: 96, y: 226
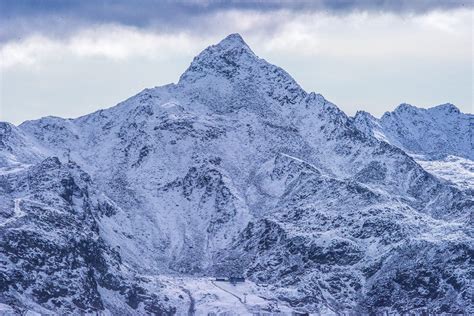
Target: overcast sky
x: 68, y: 58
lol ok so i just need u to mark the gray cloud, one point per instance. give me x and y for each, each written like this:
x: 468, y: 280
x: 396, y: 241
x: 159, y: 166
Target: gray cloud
x: 58, y: 18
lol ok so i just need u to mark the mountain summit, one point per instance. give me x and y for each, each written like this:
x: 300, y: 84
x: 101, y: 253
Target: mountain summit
x: 225, y: 58
x: 234, y: 171
x: 231, y: 42
x: 229, y: 69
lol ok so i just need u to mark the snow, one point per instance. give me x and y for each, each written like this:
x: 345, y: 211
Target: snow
x: 170, y: 104
x: 237, y: 168
x: 458, y: 170
x: 17, y: 213
x: 440, y: 138
x: 220, y: 297
x: 13, y: 167
x: 433, y: 132
x: 6, y: 310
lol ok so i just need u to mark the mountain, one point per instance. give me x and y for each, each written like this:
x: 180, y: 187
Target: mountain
x: 53, y: 257
x: 434, y: 132
x: 234, y: 170
x: 440, y: 138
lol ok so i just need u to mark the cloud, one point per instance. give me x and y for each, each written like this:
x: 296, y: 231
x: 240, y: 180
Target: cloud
x: 300, y: 35
x: 59, y: 18
x: 113, y: 42
x: 370, y: 35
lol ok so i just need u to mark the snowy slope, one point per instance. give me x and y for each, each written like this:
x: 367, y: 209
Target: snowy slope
x: 237, y: 169
x: 52, y: 256
x: 438, y: 136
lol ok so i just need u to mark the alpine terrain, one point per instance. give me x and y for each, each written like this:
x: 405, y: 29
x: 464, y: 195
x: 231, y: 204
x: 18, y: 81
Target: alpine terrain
x: 236, y: 171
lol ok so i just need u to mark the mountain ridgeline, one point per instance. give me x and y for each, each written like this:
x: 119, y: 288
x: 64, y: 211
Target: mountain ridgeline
x: 236, y: 170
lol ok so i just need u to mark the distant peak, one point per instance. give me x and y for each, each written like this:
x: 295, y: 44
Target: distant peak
x: 362, y: 113
x: 405, y: 107
x: 447, y: 107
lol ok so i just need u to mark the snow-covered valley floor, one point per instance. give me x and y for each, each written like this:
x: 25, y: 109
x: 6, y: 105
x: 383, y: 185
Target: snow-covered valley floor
x: 206, y: 296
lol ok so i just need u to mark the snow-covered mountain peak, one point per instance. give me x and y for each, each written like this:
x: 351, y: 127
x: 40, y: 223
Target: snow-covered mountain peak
x: 402, y: 110
x: 403, y: 107
x: 222, y: 73
x: 233, y: 41
x: 225, y: 59
x: 363, y: 115
x: 445, y: 108
x: 408, y: 109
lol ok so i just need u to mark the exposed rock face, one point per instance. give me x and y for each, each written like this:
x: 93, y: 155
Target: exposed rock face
x: 52, y: 254
x: 342, y: 244
x: 235, y: 169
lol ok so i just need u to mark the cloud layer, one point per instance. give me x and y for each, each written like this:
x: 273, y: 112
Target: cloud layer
x: 63, y: 17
